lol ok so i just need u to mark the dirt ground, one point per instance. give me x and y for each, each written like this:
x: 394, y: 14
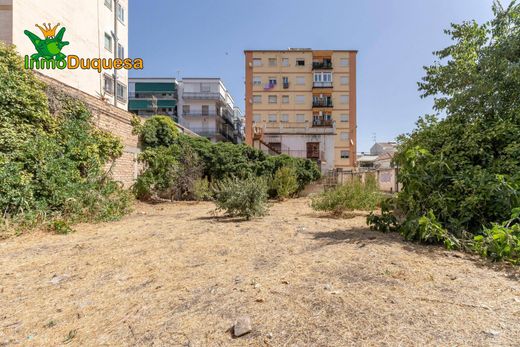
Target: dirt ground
x: 174, y: 275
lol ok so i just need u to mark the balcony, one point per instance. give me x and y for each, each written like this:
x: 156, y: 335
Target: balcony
x: 327, y: 123
x: 296, y: 128
x: 202, y: 96
x: 322, y: 84
x: 199, y: 114
x: 322, y: 65
x: 322, y: 103
x: 286, y: 85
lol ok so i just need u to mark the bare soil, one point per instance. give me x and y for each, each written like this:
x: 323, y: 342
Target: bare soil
x: 175, y: 275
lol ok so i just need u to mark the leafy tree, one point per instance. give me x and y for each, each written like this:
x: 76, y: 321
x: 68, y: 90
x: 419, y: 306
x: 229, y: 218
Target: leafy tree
x: 462, y: 172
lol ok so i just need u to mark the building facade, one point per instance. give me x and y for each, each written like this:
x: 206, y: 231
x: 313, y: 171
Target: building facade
x: 302, y: 102
x: 153, y: 96
x: 94, y: 29
x: 207, y: 108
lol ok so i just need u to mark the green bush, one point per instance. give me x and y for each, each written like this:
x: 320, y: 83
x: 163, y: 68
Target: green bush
x: 353, y: 195
x: 387, y: 221
x: 52, y: 159
x: 461, y: 174
x: 242, y: 197
x: 500, y: 241
x: 202, y: 190
x: 284, y: 183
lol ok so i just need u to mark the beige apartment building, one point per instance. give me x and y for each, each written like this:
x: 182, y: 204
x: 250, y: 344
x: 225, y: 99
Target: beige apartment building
x: 302, y: 102
x: 94, y: 29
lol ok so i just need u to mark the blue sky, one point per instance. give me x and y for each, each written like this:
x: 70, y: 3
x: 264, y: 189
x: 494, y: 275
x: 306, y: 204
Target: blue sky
x: 395, y: 39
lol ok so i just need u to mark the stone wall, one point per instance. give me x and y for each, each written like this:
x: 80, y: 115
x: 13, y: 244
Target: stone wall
x: 117, y: 121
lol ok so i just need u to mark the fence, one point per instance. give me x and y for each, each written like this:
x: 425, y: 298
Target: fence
x: 386, y: 178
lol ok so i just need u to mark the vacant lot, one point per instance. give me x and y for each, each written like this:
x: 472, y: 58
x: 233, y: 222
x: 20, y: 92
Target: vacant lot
x: 172, y: 274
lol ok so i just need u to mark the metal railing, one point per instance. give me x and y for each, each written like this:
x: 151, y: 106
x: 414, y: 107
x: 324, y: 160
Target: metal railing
x: 322, y: 103
x: 149, y: 95
x: 322, y: 123
x: 202, y: 96
x: 322, y: 84
x: 199, y: 114
x: 322, y: 65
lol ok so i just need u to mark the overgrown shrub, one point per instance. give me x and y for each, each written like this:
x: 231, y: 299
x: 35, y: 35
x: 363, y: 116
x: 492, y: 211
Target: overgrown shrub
x: 52, y: 164
x: 242, y: 197
x: 202, y: 190
x: 500, y: 241
x: 353, y: 195
x: 386, y: 221
x: 284, y: 183
x: 173, y: 163
x: 461, y: 174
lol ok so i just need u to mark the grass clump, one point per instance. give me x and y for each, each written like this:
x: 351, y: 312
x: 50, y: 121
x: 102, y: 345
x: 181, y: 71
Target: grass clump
x: 353, y: 195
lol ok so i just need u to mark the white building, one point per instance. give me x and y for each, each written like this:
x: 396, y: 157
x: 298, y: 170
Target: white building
x: 94, y: 29
x: 207, y: 108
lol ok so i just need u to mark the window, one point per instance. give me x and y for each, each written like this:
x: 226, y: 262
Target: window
x: 257, y: 80
x: 300, y: 62
x: 108, y: 3
x: 257, y: 118
x: 285, y: 61
x: 120, y: 13
x: 300, y: 99
x: 272, y: 118
x: 300, y: 118
x: 121, y: 91
x: 205, y: 88
x: 205, y: 110
x: 272, y: 99
x: 186, y: 109
x: 257, y: 99
x: 257, y: 62
x: 344, y: 118
x: 272, y: 81
x: 344, y: 99
x: 344, y: 136
x: 108, y: 42
x: 323, y: 79
x: 109, y: 84
x: 285, y: 99
x: 343, y: 62
x: 285, y: 118
x: 120, y: 51
x: 272, y: 61
x: 300, y: 80
x: 345, y: 154
x: 344, y: 80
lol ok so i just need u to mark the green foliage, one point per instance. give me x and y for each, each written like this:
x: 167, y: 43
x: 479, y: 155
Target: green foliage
x: 285, y: 182
x: 500, y: 241
x: 160, y: 176
x: 387, y: 221
x: 460, y: 175
x: 242, y: 197
x: 52, y: 164
x: 60, y: 226
x: 202, y: 190
x: 353, y: 195
x: 158, y: 131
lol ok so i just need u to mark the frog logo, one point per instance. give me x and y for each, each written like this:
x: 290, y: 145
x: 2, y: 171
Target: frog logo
x: 50, y: 47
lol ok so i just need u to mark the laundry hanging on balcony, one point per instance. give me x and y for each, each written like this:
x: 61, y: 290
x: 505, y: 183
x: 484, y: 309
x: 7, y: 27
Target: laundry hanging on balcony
x: 269, y: 86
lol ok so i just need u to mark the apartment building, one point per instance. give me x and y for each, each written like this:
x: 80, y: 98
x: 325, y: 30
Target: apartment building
x: 94, y: 29
x: 153, y: 96
x: 207, y: 108
x: 302, y: 102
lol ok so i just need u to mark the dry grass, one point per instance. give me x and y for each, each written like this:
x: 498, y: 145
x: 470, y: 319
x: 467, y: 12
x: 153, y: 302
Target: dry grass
x: 173, y: 275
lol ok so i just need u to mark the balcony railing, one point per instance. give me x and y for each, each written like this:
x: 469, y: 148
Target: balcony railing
x: 199, y: 114
x: 286, y: 85
x: 322, y: 65
x: 202, y: 96
x: 322, y: 84
x: 296, y: 128
x: 322, y: 103
x: 322, y: 123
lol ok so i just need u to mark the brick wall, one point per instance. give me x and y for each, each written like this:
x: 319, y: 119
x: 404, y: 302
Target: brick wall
x: 117, y: 121
x: 108, y: 117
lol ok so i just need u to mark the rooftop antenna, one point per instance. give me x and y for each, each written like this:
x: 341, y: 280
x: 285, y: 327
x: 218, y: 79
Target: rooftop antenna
x: 374, y: 137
